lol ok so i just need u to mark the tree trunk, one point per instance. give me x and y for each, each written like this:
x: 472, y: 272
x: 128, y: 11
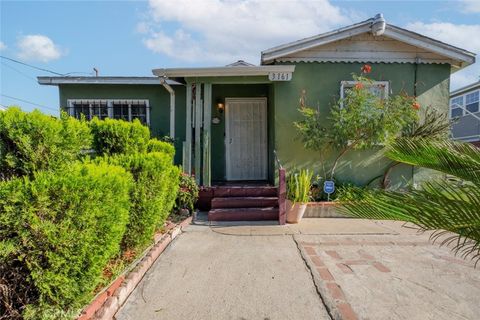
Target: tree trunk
x: 387, y: 173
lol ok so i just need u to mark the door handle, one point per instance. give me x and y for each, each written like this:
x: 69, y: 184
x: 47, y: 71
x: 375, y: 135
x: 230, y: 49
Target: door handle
x: 230, y: 140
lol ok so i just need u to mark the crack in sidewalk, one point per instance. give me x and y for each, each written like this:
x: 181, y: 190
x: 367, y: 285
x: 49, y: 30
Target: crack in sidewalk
x: 310, y: 271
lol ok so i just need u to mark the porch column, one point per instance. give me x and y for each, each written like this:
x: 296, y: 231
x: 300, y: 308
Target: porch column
x: 187, y: 165
x: 198, y: 128
x: 207, y: 120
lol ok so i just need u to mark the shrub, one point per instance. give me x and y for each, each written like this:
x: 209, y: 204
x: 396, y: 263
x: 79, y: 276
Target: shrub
x: 299, y: 185
x: 112, y: 136
x: 153, y: 196
x: 188, y: 193
x: 359, y: 121
x: 155, y: 145
x: 35, y: 141
x: 60, y: 230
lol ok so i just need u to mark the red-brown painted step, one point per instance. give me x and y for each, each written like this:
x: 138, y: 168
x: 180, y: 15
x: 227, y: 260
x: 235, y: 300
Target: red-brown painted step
x: 241, y: 191
x: 244, y: 202
x: 243, y: 214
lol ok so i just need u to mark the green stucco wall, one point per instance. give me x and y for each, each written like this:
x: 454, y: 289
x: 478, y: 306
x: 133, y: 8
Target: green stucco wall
x: 322, y: 84
x: 159, y: 100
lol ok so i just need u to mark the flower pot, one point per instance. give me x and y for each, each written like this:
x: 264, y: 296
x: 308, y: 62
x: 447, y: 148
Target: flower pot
x: 184, y: 212
x: 295, y: 211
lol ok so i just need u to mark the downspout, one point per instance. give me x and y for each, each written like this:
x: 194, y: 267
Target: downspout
x: 163, y: 82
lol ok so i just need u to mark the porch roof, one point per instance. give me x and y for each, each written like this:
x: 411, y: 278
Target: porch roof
x: 228, y: 71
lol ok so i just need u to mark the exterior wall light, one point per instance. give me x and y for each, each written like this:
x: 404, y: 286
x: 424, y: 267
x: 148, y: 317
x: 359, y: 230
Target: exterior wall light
x: 220, y: 106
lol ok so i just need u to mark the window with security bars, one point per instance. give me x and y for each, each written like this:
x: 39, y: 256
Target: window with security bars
x: 377, y: 88
x: 127, y: 110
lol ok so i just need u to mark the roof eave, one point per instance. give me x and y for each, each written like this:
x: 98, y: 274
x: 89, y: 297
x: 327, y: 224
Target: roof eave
x: 460, y: 57
x: 472, y: 86
x: 221, y: 71
x: 55, y: 81
x: 271, y: 54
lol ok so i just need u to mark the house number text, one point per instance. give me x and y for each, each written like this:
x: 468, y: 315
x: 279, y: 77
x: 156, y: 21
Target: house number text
x: 280, y: 76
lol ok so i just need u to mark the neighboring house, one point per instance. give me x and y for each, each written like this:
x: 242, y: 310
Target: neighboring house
x: 228, y: 121
x: 465, y: 110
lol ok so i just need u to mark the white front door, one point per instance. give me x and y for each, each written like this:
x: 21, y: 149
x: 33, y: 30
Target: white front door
x: 246, y: 138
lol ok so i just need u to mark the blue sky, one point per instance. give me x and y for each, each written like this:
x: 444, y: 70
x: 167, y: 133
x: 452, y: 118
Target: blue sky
x: 133, y: 37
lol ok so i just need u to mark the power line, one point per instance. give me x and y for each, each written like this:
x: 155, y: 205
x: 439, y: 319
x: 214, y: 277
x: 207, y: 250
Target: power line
x: 34, y: 67
x: 26, y: 101
x: 20, y: 72
x: 46, y: 70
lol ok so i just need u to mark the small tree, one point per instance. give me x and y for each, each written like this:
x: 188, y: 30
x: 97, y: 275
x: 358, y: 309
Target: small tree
x: 359, y: 121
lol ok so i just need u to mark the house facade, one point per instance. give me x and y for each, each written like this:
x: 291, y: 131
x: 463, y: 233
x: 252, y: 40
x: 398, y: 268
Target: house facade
x: 465, y: 113
x: 235, y: 123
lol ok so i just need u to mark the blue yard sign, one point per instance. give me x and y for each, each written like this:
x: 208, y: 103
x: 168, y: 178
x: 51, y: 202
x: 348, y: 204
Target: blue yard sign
x: 329, y: 188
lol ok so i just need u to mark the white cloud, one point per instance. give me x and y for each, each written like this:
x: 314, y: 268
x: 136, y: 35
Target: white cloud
x: 38, y: 48
x: 464, y: 36
x: 470, y: 6
x: 2, y: 46
x: 222, y: 31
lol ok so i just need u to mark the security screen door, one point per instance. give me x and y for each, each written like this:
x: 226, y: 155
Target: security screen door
x: 246, y: 138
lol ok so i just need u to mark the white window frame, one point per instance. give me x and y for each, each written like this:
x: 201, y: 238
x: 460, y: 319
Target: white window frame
x: 464, y: 106
x: 129, y: 102
x: 351, y: 84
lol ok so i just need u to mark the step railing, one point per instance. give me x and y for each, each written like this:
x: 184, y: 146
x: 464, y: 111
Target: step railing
x: 282, y: 191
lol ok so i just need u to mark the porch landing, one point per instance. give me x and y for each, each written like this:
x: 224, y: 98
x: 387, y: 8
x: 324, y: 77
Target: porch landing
x: 241, y: 203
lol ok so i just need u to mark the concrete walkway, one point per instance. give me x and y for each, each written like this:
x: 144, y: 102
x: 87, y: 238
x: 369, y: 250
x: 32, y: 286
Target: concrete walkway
x: 320, y: 269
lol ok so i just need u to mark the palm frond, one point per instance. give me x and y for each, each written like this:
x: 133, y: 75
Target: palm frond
x: 451, y: 211
x: 455, y: 158
x: 433, y: 125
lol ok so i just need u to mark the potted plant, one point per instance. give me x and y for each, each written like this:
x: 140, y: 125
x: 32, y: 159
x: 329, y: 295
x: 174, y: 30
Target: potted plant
x: 298, y: 194
x: 187, y: 194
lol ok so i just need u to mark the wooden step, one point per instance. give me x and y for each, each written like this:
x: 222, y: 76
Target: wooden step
x: 244, y: 191
x: 244, y: 202
x: 243, y: 214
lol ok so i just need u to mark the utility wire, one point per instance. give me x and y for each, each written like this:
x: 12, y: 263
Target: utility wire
x: 34, y: 67
x: 26, y: 101
x: 45, y: 70
x: 18, y: 71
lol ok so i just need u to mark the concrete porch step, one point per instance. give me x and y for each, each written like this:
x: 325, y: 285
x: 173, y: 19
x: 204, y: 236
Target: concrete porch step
x: 243, y: 214
x: 244, y: 191
x: 244, y: 202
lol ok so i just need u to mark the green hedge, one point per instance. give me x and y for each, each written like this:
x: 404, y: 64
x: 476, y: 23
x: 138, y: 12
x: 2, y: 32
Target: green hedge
x: 35, y: 141
x: 117, y: 136
x: 153, y: 195
x: 62, y: 227
x: 155, y: 145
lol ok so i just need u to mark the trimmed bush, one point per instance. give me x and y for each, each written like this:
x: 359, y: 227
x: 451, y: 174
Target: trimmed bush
x: 187, y: 193
x: 60, y: 230
x: 34, y: 141
x: 153, y: 195
x: 155, y: 145
x: 112, y: 136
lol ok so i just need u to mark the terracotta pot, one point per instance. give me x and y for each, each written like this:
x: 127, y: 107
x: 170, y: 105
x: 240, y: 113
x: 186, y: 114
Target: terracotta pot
x: 295, y: 211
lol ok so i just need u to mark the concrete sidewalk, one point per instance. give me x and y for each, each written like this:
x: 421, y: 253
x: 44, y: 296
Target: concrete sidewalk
x: 320, y: 269
x: 207, y: 275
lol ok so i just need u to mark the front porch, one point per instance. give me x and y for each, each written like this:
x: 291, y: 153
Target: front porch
x: 229, y: 133
x: 229, y: 121
x: 230, y: 138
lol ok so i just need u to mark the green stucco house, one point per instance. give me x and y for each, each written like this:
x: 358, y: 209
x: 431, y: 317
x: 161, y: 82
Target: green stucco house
x: 229, y: 122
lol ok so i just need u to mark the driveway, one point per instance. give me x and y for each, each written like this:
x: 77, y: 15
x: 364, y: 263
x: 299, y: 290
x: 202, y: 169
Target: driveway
x: 320, y: 269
